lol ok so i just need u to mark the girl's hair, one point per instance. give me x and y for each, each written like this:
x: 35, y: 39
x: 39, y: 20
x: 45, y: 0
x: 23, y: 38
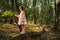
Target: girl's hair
x: 21, y: 7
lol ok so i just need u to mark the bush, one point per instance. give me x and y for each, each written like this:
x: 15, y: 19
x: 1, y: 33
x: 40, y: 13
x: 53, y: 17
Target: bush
x: 7, y: 14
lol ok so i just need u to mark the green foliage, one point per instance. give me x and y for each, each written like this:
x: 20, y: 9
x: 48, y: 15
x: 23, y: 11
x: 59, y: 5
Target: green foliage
x: 29, y: 13
x: 7, y: 14
x: 47, y: 12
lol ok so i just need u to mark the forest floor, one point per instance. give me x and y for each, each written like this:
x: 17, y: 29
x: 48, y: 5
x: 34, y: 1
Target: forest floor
x: 12, y: 30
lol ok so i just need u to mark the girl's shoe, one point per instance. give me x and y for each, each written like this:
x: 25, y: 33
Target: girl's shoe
x: 22, y: 32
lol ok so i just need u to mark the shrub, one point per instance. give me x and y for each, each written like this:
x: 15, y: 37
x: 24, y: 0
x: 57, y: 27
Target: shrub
x: 7, y: 14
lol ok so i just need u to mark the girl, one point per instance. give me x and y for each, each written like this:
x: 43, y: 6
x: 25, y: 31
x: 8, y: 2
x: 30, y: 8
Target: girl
x: 21, y: 20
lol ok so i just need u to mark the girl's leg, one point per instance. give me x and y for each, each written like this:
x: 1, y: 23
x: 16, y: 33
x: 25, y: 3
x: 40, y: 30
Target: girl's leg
x: 23, y: 28
x: 20, y: 27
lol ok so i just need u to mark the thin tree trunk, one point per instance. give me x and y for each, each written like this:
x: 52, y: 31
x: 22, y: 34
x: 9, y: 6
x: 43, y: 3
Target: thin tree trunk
x: 12, y: 1
x: 57, y: 9
x: 17, y: 6
x: 34, y: 4
x: 3, y: 9
x: 7, y: 1
x: 12, y: 4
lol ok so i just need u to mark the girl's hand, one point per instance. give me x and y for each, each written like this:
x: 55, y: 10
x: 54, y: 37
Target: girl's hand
x: 16, y: 15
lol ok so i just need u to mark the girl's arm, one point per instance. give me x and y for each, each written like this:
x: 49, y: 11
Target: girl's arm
x: 17, y: 16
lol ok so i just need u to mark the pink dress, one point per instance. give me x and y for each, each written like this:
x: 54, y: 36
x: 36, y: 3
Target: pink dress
x: 20, y: 19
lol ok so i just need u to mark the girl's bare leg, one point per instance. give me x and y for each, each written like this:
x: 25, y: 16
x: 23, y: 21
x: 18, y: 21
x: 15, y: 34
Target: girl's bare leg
x: 23, y: 28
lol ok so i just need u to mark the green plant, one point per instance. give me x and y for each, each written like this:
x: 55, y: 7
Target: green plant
x: 7, y: 14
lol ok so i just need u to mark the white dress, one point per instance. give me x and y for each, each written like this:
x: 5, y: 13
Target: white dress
x: 20, y: 19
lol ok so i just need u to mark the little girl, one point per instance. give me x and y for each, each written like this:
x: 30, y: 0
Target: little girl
x: 21, y: 20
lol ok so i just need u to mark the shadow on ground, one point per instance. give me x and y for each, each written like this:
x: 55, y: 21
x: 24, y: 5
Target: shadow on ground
x: 29, y: 36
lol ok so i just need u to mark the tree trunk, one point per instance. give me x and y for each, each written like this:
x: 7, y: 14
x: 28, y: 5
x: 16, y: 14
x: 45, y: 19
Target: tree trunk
x: 17, y: 6
x: 12, y: 1
x: 3, y: 9
x: 34, y: 4
x: 57, y: 9
x: 7, y: 1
